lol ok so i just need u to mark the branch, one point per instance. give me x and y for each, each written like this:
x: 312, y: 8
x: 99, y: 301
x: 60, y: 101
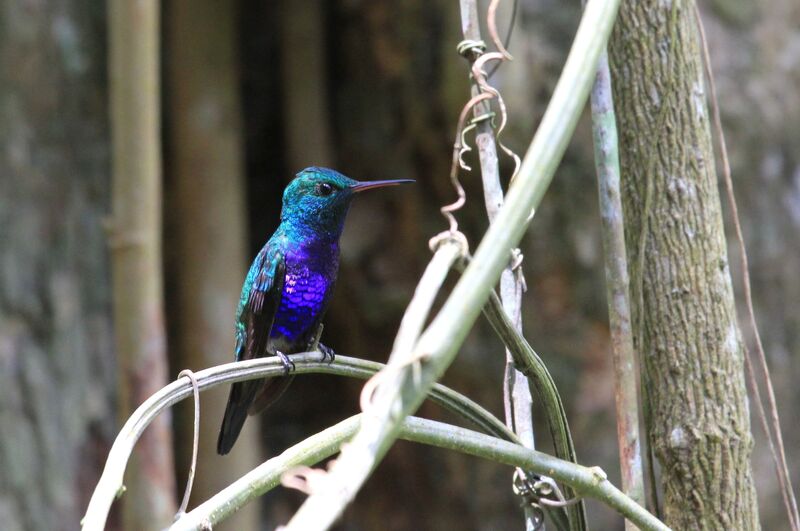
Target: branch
x: 516, y: 391
x: 626, y: 381
x: 134, y: 238
x: 110, y: 485
x: 531, y: 366
x: 589, y: 482
x: 439, y: 344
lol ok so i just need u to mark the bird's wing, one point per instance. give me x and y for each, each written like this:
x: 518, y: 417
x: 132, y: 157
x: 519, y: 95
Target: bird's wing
x: 260, y: 303
x: 260, y: 300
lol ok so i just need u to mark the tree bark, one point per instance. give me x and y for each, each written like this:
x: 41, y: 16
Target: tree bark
x: 135, y: 240
x: 207, y: 192
x: 688, y: 335
x: 57, y: 385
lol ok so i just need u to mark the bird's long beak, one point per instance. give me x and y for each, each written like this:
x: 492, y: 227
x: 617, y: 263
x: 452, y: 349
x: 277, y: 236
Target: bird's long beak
x: 360, y: 187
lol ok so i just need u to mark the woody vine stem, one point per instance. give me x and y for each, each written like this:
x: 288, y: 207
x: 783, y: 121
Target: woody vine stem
x: 516, y: 391
x: 436, y: 348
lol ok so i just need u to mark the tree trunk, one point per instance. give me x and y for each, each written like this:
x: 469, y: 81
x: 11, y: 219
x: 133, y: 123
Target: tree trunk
x: 207, y: 213
x: 135, y: 240
x: 57, y: 385
x: 689, y: 337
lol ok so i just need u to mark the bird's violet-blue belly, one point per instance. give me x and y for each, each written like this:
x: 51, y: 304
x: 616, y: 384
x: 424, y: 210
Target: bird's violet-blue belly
x: 305, y: 296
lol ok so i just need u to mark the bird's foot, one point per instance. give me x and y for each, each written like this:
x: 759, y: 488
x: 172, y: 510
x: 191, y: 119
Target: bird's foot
x: 327, y: 353
x: 288, y: 365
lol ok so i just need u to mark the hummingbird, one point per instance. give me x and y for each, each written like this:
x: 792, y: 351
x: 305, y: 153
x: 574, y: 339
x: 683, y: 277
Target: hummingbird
x: 289, y: 286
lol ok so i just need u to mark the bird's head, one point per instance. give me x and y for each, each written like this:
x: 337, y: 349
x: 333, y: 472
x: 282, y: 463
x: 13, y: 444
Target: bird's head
x: 319, y: 198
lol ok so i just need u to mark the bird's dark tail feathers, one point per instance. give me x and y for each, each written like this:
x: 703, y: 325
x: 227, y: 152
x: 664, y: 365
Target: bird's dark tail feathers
x: 247, y: 398
x: 241, y: 396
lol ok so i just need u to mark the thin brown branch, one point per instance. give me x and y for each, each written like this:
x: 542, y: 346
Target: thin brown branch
x: 626, y: 381
x: 187, y: 493
x: 491, y: 24
x: 459, y: 148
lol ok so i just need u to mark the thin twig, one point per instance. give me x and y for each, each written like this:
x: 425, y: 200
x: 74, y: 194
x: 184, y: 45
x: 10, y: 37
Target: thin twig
x: 459, y: 148
x: 480, y: 78
x: 779, y: 457
x: 509, y: 32
x: 441, y: 340
x: 587, y: 481
x: 187, y: 493
x: 491, y: 24
x: 626, y: 382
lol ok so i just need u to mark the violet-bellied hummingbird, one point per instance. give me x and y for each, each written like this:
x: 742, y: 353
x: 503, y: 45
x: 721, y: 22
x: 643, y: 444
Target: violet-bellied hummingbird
x: 288, y: 287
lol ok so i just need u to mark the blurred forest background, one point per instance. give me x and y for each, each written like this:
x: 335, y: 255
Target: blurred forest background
x: 252, y: 92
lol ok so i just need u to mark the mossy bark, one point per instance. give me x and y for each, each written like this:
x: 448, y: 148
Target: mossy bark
x: 687, y: 331
x: 57, y: 366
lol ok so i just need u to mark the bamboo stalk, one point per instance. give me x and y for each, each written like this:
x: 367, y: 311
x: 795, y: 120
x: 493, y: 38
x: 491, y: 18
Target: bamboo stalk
x: 135, y: 241
x: 626, y: 382
x: 440, y: 342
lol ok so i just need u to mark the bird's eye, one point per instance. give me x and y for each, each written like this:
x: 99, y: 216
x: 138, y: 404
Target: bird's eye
x: 324, y: 189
